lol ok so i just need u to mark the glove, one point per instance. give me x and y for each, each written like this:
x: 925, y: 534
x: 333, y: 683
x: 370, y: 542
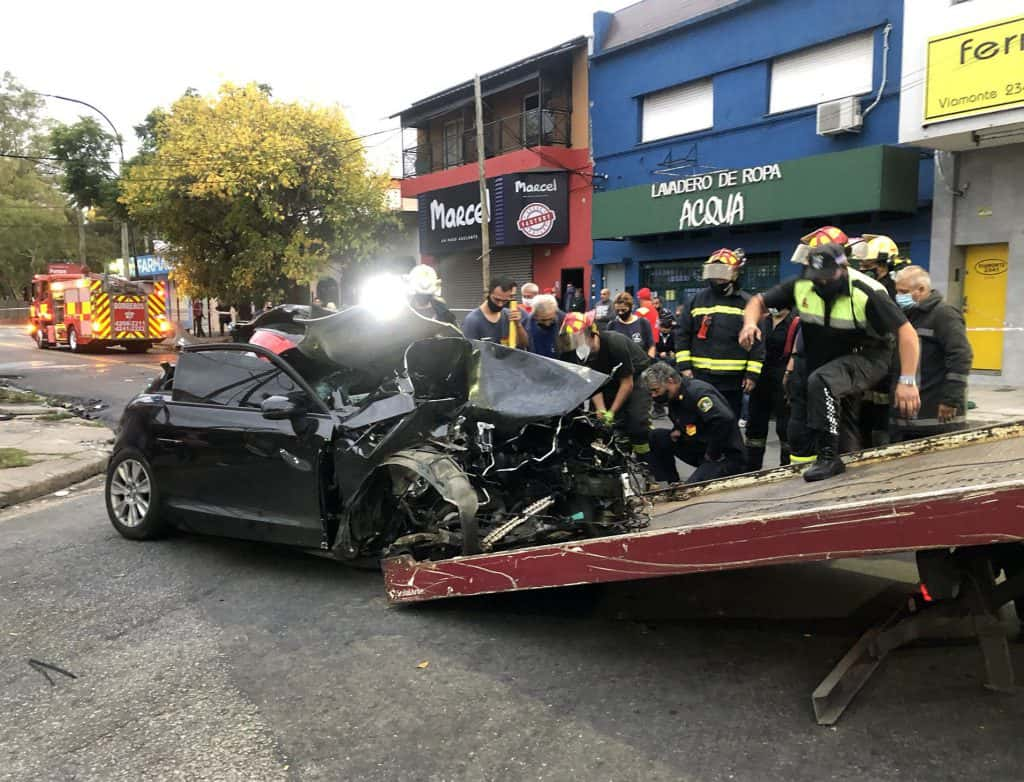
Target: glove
x: 607, y: 416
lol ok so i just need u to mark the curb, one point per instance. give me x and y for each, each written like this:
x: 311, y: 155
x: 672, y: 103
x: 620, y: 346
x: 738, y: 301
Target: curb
x: 77, y: 474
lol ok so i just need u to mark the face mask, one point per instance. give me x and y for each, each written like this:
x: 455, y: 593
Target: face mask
x: 829, y: 289
x: 721, y: 288
x: 495, y: 307
x: 421, y: 300
x: 905, y: 300
x: 528, y: 302
x: 773, y: 312
x: 622, y: 314
x: 662, y: 398
x: 583, y: 351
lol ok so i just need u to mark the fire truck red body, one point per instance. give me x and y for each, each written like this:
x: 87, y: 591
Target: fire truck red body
x: 72, y: 307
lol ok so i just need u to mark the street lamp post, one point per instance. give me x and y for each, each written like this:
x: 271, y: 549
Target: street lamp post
x: 120, y: 149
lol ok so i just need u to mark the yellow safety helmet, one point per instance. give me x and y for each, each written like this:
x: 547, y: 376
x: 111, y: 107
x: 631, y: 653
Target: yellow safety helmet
x: 877, y: 249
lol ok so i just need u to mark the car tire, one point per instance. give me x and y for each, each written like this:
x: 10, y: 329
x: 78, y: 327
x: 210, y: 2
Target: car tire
x: 132, y: 496
x: 41, y: 341
x: 73, y: 342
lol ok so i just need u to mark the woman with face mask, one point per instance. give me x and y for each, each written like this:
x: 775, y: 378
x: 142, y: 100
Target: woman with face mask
x: 628, y: 324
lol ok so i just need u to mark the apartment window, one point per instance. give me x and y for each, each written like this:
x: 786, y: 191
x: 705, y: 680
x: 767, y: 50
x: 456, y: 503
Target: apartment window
x: 831, y: 70
x: 677, y: 110
x: 452, y: 144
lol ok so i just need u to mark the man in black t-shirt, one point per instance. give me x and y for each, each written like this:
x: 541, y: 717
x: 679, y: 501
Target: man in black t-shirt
x: 623, y: 402
x: 847, y: 322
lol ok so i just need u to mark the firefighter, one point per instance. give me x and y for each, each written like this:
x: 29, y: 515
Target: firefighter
x: 623, y: 402
x: 946, y: 356
x: 704, y: 433
x: 423, y: 289
x: 707, y: 330
x: 878, y: 257
x: 847, y: 321
x: 647, y: 311
x: 768, y: 398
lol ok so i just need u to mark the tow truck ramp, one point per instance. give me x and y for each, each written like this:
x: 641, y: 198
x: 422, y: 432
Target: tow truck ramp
x: 957, y: 500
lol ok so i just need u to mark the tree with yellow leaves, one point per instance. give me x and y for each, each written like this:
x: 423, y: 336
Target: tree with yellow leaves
x: 252, y: 193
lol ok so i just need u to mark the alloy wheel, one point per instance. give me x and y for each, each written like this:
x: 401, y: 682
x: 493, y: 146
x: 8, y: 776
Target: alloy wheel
x: 130, y: 492
x: 73, y: 341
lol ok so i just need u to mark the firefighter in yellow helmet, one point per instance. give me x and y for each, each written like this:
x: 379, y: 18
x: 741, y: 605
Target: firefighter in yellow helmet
x: 878, y: 256
x: 848, y: 323
x: 707, y: 329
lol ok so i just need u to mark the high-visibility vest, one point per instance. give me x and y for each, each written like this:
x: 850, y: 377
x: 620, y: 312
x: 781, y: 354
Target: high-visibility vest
x: 848, y: 311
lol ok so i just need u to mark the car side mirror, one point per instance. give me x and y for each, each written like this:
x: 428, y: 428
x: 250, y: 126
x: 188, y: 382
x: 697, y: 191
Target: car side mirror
x: 281, y: 408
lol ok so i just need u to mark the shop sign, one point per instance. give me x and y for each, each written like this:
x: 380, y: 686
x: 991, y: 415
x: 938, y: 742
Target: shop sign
x: 525, y: 209
x: 975, y: 71
x: 868, y: 179
x: 151, y: 266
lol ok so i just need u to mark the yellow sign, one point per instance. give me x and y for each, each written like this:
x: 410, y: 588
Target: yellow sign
x: 975, y: 71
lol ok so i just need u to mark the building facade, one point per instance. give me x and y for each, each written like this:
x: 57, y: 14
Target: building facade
x: 963, y: 98
x: 537, y: 149
x: 746, y: 124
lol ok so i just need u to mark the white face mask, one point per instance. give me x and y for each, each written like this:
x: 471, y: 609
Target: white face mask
x: 528, y: 301
x: 583, y: 351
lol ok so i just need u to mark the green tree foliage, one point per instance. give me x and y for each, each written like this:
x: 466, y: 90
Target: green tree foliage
x: 34, y: 225
x: 85, y: 151
x: 252, y: 193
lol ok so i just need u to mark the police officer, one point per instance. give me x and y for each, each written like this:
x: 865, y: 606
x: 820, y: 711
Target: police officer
x: 704, y: 432
x: 623, y: 402
x: 946, y: 356
x: 847, y: 321
x: 707, y: 330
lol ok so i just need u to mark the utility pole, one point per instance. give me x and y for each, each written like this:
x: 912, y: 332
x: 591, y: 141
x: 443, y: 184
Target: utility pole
x: 81, y: 235
x: 485, y: 212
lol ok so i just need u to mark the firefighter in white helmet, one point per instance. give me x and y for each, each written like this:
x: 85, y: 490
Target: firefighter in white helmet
x: 878, y: 256
x: 424, y: 291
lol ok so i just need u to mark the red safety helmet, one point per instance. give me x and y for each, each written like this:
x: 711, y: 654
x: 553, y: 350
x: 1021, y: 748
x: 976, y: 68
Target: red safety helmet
x: 724, y: 264
x: 827, y: 234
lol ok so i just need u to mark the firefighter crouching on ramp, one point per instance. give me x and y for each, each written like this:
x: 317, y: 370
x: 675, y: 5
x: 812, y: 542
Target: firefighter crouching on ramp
x: 623, y: 402
x: 847, y: 321
x: 704, y: 433
x: 707, y: 331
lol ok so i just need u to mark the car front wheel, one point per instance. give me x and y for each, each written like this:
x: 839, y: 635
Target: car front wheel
x: 41, y: 342
x: 73, y: 341
x: 132, y: 497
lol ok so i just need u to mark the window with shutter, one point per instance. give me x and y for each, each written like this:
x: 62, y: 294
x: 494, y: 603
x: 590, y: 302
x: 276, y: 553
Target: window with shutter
x: 677, y: 110
x: 831, y: 70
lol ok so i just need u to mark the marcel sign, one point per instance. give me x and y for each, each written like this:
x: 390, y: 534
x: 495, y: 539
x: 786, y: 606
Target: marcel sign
x: 524, y: 209
x: 710, y: 207
x: 975, y: 71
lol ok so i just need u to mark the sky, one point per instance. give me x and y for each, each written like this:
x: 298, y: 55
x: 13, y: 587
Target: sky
x: 371, y: 58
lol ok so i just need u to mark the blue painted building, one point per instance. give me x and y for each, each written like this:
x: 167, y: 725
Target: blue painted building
x: 747, y: 124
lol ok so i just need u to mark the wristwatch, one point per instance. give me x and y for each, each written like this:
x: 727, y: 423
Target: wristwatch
x: 908, y: 380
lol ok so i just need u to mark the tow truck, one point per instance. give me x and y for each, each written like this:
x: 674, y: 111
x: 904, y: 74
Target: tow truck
x: 75, y: 308
x: 955, y: 501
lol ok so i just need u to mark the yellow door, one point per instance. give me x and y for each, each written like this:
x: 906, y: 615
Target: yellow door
x: 985, y: 272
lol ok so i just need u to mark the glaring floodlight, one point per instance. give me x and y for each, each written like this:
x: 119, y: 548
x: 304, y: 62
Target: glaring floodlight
x: 384, y: 296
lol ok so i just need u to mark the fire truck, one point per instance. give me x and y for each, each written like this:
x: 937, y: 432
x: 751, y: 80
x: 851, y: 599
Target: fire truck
x: 75, y: 308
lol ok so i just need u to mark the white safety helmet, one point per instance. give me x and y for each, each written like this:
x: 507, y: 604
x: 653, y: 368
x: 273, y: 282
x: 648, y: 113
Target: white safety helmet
x: 422, y: 280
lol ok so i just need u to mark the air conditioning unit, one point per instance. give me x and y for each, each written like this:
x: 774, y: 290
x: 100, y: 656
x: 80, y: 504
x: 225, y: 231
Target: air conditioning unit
x: 839, y: 116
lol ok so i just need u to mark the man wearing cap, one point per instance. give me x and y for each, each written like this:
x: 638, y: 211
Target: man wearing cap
x: 707, y: 331
x: 623, y: 402
x: 848, y: 322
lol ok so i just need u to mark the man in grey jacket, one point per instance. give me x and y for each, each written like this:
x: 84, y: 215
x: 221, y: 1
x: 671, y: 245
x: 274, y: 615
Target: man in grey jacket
x: 946, y: 357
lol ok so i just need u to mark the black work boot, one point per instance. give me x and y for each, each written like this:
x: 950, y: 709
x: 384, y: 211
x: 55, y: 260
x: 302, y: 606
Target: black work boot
x: 783, y: 455
x: 828, y: 463
x: 755, y: 458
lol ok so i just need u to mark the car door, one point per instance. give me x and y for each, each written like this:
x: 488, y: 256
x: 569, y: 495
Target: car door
x: 227, y: 469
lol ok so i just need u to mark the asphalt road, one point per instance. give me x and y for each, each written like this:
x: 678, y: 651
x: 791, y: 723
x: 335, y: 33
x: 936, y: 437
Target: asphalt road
x: 209, y: 659
x: 112, y: 376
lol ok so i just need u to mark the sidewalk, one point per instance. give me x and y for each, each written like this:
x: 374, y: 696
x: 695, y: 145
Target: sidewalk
x: 994, y: 404
x: 44, y: 449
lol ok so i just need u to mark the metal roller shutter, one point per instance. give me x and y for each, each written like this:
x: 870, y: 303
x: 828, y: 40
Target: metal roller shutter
x: 461, y: 284
x: 841, y: 68
x: 515, y: 262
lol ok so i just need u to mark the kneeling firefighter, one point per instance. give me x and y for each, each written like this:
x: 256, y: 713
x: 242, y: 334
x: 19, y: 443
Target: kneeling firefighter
x: 623, y: 402
x: 847, y: 323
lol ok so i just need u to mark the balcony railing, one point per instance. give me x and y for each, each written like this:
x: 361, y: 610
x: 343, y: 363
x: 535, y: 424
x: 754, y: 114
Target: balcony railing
x: 536, y: 127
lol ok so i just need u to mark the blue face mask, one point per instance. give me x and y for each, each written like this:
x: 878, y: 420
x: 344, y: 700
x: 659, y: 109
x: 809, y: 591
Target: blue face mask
x: 905, y: 300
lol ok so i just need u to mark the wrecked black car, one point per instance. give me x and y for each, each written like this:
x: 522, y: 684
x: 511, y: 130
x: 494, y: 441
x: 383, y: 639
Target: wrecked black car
x: 366, y: 439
